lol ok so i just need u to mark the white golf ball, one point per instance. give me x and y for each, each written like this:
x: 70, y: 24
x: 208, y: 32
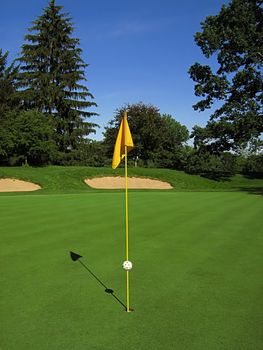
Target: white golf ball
x: 127, y: 265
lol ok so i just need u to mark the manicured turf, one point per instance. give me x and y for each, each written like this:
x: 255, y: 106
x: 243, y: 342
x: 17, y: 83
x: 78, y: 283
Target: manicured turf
x: 55, y: 179
x: 196, y: 282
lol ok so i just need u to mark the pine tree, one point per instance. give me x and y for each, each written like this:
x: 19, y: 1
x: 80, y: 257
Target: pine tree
x: 8, y: 74
x: 52, y: 75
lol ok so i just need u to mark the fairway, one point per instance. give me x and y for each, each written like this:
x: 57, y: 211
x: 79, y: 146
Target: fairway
x: 196, y: 282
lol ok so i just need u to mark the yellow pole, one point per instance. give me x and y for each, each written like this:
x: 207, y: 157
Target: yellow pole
x: 127, y: 231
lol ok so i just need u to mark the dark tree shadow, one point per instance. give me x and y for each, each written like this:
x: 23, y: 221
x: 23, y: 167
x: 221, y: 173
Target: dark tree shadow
x: 217, y: 176
x: 253, y: 175
x: 252, y: 190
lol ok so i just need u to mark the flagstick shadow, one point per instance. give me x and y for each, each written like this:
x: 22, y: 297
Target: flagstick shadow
x: 76, y: 257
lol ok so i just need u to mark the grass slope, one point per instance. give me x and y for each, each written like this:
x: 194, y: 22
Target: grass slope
x: 71, y: 179
x: 195, y: 283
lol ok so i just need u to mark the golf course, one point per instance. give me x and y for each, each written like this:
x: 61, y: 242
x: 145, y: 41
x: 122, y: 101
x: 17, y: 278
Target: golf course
x: 131, y: 175
x: 196, y: 250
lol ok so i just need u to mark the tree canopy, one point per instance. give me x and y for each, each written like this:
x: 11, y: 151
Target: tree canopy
x: 158, y: 139
x: 52, y: 74
x: 27, y: 137
x: 235, y: 37
x: 8, y: 75
x: 45, y: 104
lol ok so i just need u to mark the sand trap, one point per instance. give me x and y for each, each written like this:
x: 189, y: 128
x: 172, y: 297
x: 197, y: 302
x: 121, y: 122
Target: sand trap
x: 133, y: 183
x: 13, y: 185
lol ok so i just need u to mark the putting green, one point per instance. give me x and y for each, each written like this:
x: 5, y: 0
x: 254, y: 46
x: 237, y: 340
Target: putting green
x: 195, y: 283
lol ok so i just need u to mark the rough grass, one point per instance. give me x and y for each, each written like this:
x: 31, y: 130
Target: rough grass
x: 71, y: 179
x: 196, y: 282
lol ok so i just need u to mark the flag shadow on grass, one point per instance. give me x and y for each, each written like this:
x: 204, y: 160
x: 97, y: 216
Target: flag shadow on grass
x: 76, y: 257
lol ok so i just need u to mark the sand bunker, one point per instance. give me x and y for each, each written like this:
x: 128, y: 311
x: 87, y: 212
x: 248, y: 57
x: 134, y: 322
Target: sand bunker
x: 13, y: 185
x: 133, y: 183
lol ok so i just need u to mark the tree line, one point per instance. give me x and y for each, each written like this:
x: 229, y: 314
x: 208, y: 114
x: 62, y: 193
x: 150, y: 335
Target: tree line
x: 45, y: 105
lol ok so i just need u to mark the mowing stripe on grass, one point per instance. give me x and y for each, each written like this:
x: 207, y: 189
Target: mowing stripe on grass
x: 195, y: 284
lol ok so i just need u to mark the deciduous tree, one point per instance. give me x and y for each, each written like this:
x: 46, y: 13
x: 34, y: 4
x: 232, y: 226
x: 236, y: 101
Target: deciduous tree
x: 235, y: 38
x: 158, y: 139
x: 27, y: 137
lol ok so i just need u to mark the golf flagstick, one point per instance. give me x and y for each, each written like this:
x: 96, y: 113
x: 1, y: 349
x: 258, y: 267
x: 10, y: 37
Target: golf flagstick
x: 127, y: 232
x: 123, y: 145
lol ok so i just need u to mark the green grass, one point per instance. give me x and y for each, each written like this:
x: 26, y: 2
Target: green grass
x: 196, y: 282
x: 56, y: 179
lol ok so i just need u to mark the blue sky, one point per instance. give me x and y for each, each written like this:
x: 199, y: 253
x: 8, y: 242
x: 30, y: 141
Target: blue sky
x: 137, y: 50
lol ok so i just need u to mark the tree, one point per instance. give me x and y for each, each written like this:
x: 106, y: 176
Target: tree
x: 253, y: 166
x: 144, y: 122
x: 8, y: 74
x: 158, y: 139
x: 171, y: 150
x: 51, y: 77
x: 210, y: 165
x: 27, y: 137
x: 235, y: 36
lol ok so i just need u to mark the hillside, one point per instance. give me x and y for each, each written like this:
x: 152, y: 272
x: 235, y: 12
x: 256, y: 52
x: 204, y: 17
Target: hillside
x: 55, y: 179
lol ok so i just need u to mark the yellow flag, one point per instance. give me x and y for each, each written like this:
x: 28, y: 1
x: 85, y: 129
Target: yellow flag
x: 124, y: 138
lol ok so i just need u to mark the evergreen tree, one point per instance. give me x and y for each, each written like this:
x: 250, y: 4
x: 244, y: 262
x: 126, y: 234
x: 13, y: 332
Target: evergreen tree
x: 8, y: 76
x: 52, y: 75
